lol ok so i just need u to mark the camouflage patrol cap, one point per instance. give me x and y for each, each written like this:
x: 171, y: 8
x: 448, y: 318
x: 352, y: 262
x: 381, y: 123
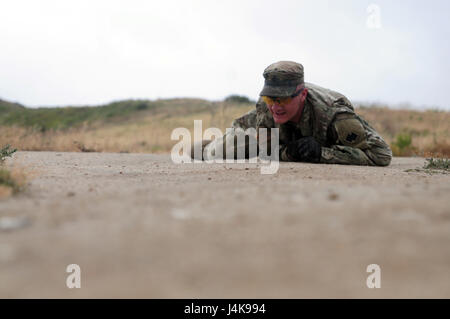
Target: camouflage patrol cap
x: 282, y: 78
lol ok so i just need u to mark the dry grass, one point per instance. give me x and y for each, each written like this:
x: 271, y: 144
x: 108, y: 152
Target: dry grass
x: 12, y: 180
x: 429, y: 131
x: 5, y: 191
x: 149, y: 133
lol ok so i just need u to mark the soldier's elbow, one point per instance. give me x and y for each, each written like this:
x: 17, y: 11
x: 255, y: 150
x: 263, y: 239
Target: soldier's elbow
x: 385, y: 161
x: 382, y: 159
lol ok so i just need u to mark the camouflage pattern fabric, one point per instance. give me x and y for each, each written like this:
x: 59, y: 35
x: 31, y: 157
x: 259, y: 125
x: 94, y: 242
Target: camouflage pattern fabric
x: 281, y: 78
x: 329, y: 117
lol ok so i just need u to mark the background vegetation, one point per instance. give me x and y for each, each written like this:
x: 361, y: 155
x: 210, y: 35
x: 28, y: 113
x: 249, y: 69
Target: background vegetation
x: 9, y: 182
x: 146, y: 126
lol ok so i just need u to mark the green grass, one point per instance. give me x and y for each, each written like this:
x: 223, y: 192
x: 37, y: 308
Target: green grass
x: 6, y: 106
x: 44, y: 119
x: 403, y: 140
x: 401, y: 146
x: 64, y: 117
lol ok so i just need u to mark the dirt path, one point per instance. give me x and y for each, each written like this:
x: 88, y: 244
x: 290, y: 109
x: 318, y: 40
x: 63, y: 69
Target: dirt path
x: 140, y: 226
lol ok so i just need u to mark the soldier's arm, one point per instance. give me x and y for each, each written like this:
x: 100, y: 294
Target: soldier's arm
x: 356, y: 143
x: 243, y: 144
x: 283, y: 154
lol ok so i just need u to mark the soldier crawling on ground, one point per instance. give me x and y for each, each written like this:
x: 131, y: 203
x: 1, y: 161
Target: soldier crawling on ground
x: 316, y: 125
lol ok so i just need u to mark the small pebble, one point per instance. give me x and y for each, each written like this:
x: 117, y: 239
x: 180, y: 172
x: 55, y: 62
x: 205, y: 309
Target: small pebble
x: 13, y: 223
x: 333, y: 196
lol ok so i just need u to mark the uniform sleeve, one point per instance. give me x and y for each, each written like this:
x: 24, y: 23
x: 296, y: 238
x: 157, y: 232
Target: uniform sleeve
x: 236, y: 139
x: 355, y: 143
x: 283, y: 154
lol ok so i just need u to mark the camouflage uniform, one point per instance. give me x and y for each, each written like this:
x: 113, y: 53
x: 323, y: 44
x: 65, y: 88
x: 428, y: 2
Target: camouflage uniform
x: 330, y: 118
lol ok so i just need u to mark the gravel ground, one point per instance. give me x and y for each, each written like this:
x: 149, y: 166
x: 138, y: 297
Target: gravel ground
x: 140, y: 226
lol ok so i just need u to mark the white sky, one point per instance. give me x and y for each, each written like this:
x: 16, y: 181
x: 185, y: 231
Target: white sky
x: 80, y: 52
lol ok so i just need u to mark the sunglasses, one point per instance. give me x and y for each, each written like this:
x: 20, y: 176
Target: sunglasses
x: 282, y: 101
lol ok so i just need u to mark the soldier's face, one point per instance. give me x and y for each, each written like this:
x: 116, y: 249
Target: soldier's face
x: 284, y: 112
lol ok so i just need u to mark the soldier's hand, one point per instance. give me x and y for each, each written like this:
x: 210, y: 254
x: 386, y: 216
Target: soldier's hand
x: 306, y: 149
x: 201, y: 146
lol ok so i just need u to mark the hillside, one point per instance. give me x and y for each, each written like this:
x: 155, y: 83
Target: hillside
x: 6, y: 106
x: 145, y: 125
x: 47, y: 118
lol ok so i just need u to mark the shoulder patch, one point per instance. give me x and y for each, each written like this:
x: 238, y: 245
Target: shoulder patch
x: 350, y: 132
x: 351, y: 137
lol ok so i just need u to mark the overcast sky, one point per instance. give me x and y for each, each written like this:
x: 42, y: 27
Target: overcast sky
x: 71, y: 52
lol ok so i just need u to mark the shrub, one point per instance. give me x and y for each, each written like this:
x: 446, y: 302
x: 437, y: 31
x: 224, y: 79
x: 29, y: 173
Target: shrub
x: 402, y: 145
x: 437, y: 163
x: 6, y: 151
x: 6, y: 179
x: 403, y: 140
x: 238, y: 99
x: 10, y: 181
